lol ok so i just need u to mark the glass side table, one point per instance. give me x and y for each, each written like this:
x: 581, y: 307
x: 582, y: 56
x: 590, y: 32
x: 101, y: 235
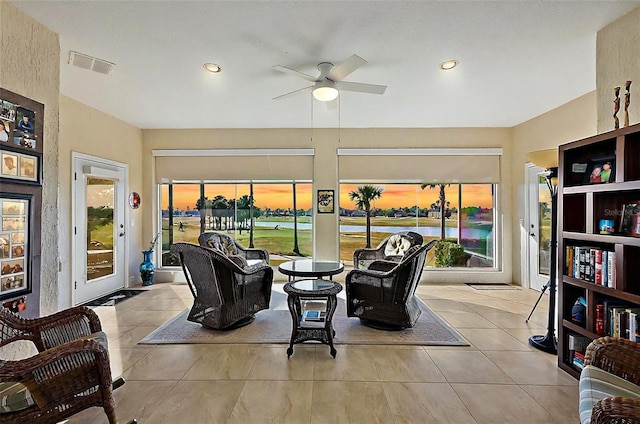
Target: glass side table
x: 312, y: 304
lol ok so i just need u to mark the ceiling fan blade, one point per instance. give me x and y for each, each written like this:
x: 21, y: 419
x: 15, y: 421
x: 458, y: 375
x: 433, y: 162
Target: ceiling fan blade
x: 361, y: 87
x: 291, y: 93
x: 294, y: 72
x: 340, y: 72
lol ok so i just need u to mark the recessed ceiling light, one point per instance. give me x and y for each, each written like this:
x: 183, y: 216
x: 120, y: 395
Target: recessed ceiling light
x: 212, y: 67
x: 447, y: 65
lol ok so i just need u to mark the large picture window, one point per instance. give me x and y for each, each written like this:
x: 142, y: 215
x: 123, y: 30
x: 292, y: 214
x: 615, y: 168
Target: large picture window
x: 273, y: 216
x: 469, y: 217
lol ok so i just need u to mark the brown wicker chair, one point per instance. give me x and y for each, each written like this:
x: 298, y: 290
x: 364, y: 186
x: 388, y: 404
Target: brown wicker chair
x: 391, y: 248
x: 382, y: 296
x: 227, y: 292
x: 69, y: 374
x: 229, y: 246
x: 620, y: 357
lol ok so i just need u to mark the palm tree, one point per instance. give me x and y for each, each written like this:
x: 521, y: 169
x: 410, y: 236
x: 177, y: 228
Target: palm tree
x: 442, y: 201
x: 363, y: 197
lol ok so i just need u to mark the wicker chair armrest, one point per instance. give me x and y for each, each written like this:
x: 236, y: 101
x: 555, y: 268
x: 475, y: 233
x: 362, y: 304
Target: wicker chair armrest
x: 50, y: 372
x: 53, y: 330
x: 617, y: 356
x: 616, y: 410
x: 254, y: 253
x: 382, y: 265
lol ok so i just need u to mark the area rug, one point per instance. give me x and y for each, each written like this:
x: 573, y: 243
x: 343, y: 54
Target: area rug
x: 114, y: 298
x: 495, y: 286
x: 274, y: 326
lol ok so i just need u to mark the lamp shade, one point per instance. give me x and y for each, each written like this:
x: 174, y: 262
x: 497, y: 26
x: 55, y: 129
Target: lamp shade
x: 544, y: 158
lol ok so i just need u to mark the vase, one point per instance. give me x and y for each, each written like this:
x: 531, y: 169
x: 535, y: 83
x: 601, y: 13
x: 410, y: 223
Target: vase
x: 147, y: 268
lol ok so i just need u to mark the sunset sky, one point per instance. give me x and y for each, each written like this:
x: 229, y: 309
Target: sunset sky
x: 276, y: 196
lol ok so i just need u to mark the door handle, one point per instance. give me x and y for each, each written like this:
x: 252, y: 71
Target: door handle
x: 121, y: 234
x: 532, y: 234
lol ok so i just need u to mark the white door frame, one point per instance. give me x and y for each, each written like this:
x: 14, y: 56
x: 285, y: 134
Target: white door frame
x: 75, y: 255
x: 526, y: 260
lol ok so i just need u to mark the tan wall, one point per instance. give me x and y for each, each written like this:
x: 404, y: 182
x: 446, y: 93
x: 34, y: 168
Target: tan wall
x: 571, y: 121
x: 30, y: 66
x: 91, y: 132
x: 617, y: 60
x: 325, y: 142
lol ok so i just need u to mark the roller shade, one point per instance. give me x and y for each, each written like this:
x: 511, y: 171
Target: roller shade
x: 420, y: 165
x: 230, y: 165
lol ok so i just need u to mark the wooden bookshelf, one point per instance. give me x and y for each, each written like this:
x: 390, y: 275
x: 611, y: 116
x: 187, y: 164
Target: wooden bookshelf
x: 581, y: 206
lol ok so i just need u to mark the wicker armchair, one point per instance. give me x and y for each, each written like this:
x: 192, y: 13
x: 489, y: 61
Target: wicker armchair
x: 620, y: 357
x: 69, y: 374
x: 227, y: 291
x: 229, y: 246
x: 391, y: 248
x: 382, y: 296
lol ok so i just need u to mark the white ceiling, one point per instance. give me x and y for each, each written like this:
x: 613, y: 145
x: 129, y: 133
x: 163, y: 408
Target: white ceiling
x: 518, y: 59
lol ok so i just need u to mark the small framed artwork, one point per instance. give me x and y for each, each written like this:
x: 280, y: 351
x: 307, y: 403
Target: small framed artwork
x: 5, y: 130
x: 600, y: 170
x: 20, y: 167
x: 630, y: 220
x: 7, y: 111
x: 325, y: 201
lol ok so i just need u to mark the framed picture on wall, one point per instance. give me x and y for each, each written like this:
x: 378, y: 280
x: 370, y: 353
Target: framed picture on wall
x: 325, y: 201
x: 630, y: 220
x: 19, y: 167
x: 16, y: 215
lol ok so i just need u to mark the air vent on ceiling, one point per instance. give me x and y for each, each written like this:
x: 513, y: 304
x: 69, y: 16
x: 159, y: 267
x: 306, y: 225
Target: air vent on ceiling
x: 89, y: 62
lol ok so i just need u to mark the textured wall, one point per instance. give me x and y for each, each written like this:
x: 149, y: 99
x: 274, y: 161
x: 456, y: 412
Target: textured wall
x: 571, y: 121
x: 618, y: 60
x: 91, y: 132
x: 30, y: 66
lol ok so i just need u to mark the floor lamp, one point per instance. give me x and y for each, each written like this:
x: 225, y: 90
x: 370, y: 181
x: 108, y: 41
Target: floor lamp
x: 548, y: 342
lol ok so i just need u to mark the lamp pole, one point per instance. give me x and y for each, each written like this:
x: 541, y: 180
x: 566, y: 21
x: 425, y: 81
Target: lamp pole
x: 548, y: 342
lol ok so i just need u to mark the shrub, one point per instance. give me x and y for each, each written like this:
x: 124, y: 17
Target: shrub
x: 450, y: 254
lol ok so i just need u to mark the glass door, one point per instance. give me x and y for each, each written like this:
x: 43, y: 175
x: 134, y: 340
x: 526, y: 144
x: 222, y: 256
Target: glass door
x: 539, y: 227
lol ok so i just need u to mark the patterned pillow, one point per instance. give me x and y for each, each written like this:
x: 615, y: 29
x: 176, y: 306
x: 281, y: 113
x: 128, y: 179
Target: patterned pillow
x: 397, y: 245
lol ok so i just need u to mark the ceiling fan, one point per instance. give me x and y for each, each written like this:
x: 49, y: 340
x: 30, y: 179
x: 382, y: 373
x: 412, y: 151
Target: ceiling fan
x: 330, y: 82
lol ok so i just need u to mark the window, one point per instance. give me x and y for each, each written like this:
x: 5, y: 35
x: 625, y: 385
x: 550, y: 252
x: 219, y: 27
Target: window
x: 271, y: 221
x: 469, y: 217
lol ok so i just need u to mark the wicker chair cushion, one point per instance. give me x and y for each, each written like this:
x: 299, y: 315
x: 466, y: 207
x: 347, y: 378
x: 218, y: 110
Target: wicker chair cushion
x: 14, y: 397
x: 397, y: 245
x: 596, y: 384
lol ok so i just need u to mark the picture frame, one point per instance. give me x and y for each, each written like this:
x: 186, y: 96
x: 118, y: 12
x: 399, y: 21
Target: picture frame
x: 326, y: 201
x: 600, y: 170
x: 17, y: 166
x: 630, y: 219
x: 16, y: 239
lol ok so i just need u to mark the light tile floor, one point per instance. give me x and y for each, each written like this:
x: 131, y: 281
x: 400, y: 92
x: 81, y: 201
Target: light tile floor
x: 498, y: 379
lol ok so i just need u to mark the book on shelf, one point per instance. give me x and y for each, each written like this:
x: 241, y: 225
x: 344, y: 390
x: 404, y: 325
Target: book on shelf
x: 577, y: 347
x: 590, y: 264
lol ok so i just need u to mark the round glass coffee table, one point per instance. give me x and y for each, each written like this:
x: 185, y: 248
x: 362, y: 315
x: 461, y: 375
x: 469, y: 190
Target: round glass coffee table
x: 312, y: 304
x: 309, y: 268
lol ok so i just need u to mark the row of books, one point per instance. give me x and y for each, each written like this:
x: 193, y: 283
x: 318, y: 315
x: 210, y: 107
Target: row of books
x: 621, y: 320
x: 591, y: 264
x: 577, y: 347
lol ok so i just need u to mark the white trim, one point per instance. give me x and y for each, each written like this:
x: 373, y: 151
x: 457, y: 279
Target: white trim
x: 422, y: 152
x: 96, y: 171
x: 233, y: 152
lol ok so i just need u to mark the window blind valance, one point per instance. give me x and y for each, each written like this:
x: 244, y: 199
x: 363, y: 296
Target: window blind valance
x: 233, y: 165
x: 420, y: 165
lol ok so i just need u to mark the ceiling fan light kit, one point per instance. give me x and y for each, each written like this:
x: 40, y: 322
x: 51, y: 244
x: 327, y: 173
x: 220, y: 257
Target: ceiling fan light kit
x: 330, y: 82
x: 325, y: 91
